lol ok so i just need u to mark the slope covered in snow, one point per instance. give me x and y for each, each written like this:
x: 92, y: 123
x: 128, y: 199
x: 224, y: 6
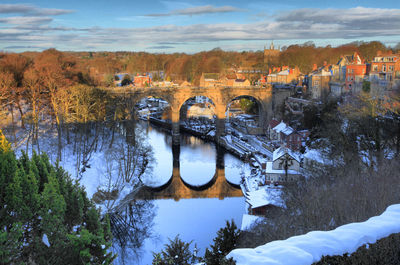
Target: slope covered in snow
x: 309, y: 248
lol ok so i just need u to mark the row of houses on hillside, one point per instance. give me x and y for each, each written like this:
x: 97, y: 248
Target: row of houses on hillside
x: 216, y: 80
x: 282, y: 75
x: 351, y: 73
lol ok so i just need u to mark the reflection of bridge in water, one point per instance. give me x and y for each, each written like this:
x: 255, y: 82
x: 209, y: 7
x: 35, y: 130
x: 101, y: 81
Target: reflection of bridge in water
x: 176, y: 188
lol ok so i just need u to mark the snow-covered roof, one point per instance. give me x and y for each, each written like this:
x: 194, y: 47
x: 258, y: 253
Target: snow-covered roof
x: 265, y: 196
x: 310, y: 247
x: 284, y: 72
x: 283, y: 128
x: 278, y: 153
x: 248, y: 220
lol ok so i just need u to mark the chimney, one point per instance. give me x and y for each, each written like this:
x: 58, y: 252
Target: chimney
x: 314, y: 67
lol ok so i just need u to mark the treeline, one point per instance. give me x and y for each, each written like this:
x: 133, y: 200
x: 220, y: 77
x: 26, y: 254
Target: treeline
x: 98, y: 68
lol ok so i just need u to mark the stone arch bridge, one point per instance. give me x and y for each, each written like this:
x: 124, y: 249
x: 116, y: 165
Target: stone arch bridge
x: 267, y: 98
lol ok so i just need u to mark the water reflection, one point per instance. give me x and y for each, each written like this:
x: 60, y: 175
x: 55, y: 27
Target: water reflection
x: 198, y: 169
x: 195, y: 212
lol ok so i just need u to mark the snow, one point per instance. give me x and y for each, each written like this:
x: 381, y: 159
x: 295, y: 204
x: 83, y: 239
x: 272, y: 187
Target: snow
x: 45, y: 240
x: 235, y: 169
x: 282, y: 151
x: 283, y: 128
x: 249, y: 220
x: 309, y: 248
x: 267, y: 195
x: 317, y: 156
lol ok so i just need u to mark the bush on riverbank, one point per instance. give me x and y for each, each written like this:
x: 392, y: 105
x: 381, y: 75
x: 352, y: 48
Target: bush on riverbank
x: 45, y: 218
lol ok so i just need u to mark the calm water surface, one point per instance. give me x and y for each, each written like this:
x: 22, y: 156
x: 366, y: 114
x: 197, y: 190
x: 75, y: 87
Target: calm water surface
x: 195, y: 214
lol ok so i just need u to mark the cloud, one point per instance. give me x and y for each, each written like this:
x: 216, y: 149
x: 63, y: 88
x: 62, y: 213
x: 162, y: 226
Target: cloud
x: 22, y: 47
x: 26, y: 20
x: 198, y: 10
x: 160, y: 47
x: 31, y: 10
x: 356, y: 18
x: 301, y: 24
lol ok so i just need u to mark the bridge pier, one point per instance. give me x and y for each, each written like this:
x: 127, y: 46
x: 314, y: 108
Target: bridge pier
x: 175, y: 127
x: 220, y: 123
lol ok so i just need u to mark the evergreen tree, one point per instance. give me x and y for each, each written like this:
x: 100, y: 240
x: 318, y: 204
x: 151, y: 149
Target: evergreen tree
x: 176, y: 252
x: 224, y: 243
x: 45, y: 218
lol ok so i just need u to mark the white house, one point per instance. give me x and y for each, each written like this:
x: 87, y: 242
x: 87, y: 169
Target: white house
x: 284, y: 167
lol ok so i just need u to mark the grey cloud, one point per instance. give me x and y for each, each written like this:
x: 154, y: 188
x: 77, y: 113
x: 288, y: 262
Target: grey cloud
x: 359, y: 17
x: 22, y: 47
x: 26, y: 20
x: 27, y: 9
x: 161, y: 47
x: 198, y: 10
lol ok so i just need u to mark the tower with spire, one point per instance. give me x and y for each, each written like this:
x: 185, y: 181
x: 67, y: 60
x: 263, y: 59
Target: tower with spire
x: 271, y: 55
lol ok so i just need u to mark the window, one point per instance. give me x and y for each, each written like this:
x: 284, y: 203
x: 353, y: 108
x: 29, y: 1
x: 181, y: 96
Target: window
x: 375, y: 68
x: 391, y: 68
x: 384, y: 68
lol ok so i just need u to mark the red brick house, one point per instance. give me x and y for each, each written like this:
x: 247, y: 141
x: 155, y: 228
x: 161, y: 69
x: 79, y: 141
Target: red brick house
x: 356, y: 71
x: 385, y: 70
x: 142, y: 81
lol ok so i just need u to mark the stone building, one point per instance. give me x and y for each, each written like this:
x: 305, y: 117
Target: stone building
x: 271, y: 55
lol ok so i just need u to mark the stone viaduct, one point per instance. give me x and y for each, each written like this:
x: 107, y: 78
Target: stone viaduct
x: 268, y: 101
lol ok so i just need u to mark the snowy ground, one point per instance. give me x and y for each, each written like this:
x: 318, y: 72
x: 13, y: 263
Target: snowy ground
x: 309, y: 248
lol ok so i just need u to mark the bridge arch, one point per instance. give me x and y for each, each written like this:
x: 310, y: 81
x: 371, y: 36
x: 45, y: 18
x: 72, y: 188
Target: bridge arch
x: 252, y: 106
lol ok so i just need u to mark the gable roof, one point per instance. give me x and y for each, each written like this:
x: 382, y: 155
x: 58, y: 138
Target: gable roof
x: 265, y: 196
x: 281, y: 151
x: 214, y: 76
x: 273, y: 123
x: 283, y: 128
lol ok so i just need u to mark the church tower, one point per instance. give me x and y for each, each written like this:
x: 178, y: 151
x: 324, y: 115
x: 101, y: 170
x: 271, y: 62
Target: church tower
x: 271, y: 55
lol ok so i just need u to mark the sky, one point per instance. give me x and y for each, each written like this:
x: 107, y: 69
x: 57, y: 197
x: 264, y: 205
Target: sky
x: 167, y: 26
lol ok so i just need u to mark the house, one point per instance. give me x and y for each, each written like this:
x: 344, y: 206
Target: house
x: 284, y: 167
x: 142, y: 80
x: 210, y: 80
x: 318, y: 82
x: 385, y: 71
x: 284, y: 134
x: 282, y: 75
x: 264, y: 201
x: 356, y: 71
x: 287, y: 75
x: 272, y: 124
x: 235, y: 80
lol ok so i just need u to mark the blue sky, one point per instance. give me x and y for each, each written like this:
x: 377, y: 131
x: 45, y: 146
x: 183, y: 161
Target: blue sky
x: 192, y: 26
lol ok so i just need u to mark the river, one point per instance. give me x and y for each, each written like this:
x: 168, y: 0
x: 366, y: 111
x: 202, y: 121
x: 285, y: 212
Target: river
x: 195, y: 191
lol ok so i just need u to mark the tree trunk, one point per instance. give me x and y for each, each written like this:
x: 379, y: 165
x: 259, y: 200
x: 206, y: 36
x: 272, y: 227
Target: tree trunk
x: 59, y: 142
